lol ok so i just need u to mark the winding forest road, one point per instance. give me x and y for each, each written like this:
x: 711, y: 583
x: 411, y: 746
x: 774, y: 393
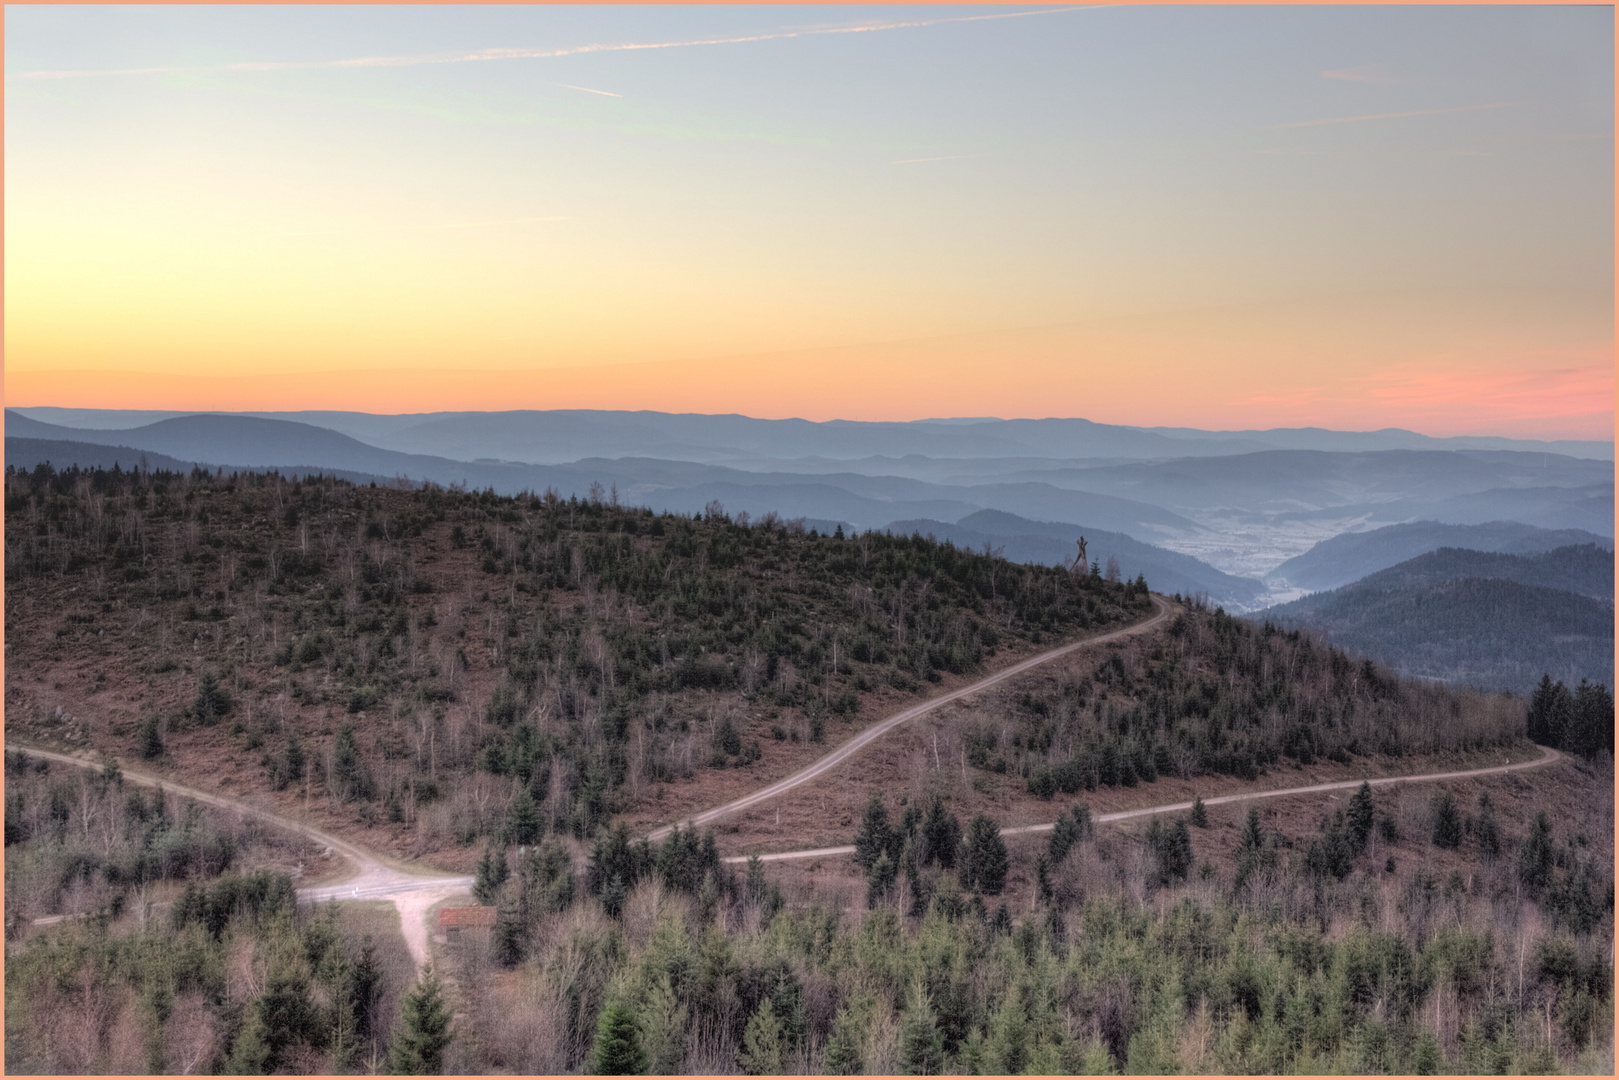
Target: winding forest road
x: 876, y: 731
x: 414, y: 892
x: 1547, y: 756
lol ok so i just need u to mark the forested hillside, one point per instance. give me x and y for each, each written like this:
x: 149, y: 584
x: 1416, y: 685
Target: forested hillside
x: 381, y: 647
x: 1583, y: 569
x: 487, y: 680
x: 1351, y: 556
x: 1474, y: 618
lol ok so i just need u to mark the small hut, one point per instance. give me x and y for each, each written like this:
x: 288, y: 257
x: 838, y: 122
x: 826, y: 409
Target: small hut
x: 455, y: 920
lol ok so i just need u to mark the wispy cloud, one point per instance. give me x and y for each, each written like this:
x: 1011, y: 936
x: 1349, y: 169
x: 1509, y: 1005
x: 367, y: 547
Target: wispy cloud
x: 1394, y: 115
x: 588, y: 90
x: 1365, y: 73
x: 488, y: 55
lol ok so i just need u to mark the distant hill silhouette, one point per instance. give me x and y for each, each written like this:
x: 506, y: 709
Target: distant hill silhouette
x: 1352, y: 556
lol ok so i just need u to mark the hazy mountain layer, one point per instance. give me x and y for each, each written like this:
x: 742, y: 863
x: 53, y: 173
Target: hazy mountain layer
x: 556, y: 436
x: 1053, y: 543
x: 1225, y: 500
x: 1352, y: 556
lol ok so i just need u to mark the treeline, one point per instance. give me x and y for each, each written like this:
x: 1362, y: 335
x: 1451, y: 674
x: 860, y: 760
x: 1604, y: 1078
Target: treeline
x: 580, y: 650
x: 1580, y: 722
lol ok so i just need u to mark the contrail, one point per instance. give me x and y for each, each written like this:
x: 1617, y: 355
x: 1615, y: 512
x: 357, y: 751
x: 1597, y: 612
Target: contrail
x: 1394, y: 115
x: 588, y: 90
x: 484, y: 55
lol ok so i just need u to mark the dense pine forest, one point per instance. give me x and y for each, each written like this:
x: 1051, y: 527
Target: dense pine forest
x: 492, y: 681
x: 1472, y: 618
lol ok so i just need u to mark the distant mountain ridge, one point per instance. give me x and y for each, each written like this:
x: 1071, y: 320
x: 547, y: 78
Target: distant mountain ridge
x: 1352, y: 556
x: 568, y: 434
x: 1053, y: 544
x: 1233, y: 503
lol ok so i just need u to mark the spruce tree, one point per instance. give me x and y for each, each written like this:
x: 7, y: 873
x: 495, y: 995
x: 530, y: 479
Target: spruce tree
x: 1488, y: 833
x: 491, y: 874
x: 940, y: 836
x: 424, y: 1029
x: 523, y: 819
x: 1361, y: 815
x: 921, y: 1052
x: 843, y: 1046
x: 151, y: 739
x: 764, y: 1043
x: 880, y: 879
x: 618, y: 1047
x: 508, y: 936
x: 1535, y: 856
x: 1200, y: 813
x: 872, y: 839
x: 1590, y: 721
x: 365, y: 989
x: 348, y: 779
x: 1447, y: 823
x: 985, y: 862
x: 250, y: 1053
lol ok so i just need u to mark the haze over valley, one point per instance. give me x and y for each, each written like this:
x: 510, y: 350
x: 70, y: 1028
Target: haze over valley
x: 1241, y: 504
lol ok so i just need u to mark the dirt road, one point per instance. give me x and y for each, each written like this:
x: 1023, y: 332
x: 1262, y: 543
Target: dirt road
x: 876, y: 731
x: 412, y: 891
x: 1547, y: 756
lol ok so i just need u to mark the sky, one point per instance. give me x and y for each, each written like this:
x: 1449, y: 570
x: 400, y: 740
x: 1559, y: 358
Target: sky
x: 1352, y: 217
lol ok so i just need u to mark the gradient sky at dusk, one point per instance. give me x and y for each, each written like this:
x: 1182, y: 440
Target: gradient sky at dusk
x: 1221, y: 217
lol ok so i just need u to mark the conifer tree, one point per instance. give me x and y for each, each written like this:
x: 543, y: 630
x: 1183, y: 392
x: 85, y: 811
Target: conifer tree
x: 523, y: 819
x: 843, y: 1046
x: 348, y: 778
x: 1447, y: 823
x: 151, y: 739
x: 872, y: 839
x: 250, y: 1053
x: 365, y: 988
x: 1200, y: 813
x: 1361, y: 815
x: 508, y: 936
x: 424, y: 1029
x: 764, y: 1043
x: 1488, y: 833
x: 940, y: 836
x: 491, y: 874
x: 1536, y: 856
x: 618, y: 1046
x: 921, y: 1052
x: 985, y: 862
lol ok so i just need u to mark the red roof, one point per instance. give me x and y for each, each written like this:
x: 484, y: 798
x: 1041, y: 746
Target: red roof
x: 466, y: 916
